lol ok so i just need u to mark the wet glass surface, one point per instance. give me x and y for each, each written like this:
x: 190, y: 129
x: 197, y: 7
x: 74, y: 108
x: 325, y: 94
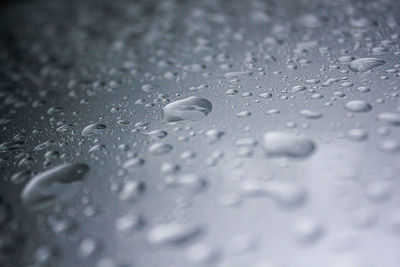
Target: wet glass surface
x: 200, y: 133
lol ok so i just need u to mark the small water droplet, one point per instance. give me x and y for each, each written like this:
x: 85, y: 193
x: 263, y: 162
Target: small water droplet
x: 173, y: 233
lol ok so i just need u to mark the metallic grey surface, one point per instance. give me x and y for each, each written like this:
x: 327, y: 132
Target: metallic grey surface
x: 118, y: 63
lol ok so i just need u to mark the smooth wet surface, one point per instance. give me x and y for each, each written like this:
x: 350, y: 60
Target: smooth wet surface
x: 200, y: 133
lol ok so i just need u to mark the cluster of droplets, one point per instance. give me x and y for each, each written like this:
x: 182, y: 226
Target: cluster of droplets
x: 213, y: 151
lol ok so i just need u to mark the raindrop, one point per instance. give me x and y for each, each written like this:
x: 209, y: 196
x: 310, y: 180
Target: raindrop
x: 365, y: 64
x: 310, y: 114
x: 237, y: 74
x: 56, y: 184
x: 131, y: 190
x: 285, y: 194
x: 128, y: 223
x: 133, y: 163
x: 87, y: 247
x: 358, y: 106
x: 285, y: 144
x: 173, y: 233
x: 307, y: 230
x: 202, y: 254
x: 160, y: 149
x: 93, y: 129
x: 298, y: 88
x: 191, y: 181
x: 357, y: 134
x: 214, y: 135
x: 390, y: 118
x: 159, y: 134
x: 244, y: 114
x: 192, y: 109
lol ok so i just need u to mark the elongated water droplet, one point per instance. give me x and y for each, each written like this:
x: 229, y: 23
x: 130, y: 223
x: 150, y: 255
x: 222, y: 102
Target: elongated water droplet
x: 56, y: 184
x: 93, y: 129
x: 365, y: 64
x: 285, y: 144
x: 173, y: 234
x: 192, y: 109
x: 160, y: 149
x: 390, y: 118
x: 310, y: 114
x: 358, y: 106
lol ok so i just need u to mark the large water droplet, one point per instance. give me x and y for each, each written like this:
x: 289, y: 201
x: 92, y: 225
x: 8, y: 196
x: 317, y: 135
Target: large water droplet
x: 390, y: 118
x: 93, y: 129
x: 365, y: 64
x: 285, y: 144
x: 191, y: 108
x: 160, y: 148
x: 56, y: 184
x: 358, y: 106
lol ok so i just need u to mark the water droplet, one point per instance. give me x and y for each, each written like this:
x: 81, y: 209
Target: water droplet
x: 231, y: 92
x: 87, y: 247
x: 357, y: 134
x: 298, y: 88
x: 247, y: 141
x: 237, y: 74
x: 244, y: 114
x: 20, y: 177
x: 160, y: 149
x: 131, y: 190
x: 358, y: 106
x: 173, y: 233
x: 390, y: 118
x: 64, y: 128
x: 283, y: 193
x: 214, y: 135
x: 9, y: 146
x: 56, y: 184
x: 390, y: 146
x: 286, y: 194
x: 307, y: 230
x: 311, y: 114
x: 128, y: 223
x: 96, y: 148
x: 379, y: 191
x: 365, y: 64
x: 202, y: 254
x: 93, y: 129
x: 191, y: 181
x: 285, y: 144
x: 168, y: 168
x: 192, y: 109
x: 159, y: 134
x: 133, y: 163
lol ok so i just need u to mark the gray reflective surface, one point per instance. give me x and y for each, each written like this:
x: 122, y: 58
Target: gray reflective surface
x: 203, y: 133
